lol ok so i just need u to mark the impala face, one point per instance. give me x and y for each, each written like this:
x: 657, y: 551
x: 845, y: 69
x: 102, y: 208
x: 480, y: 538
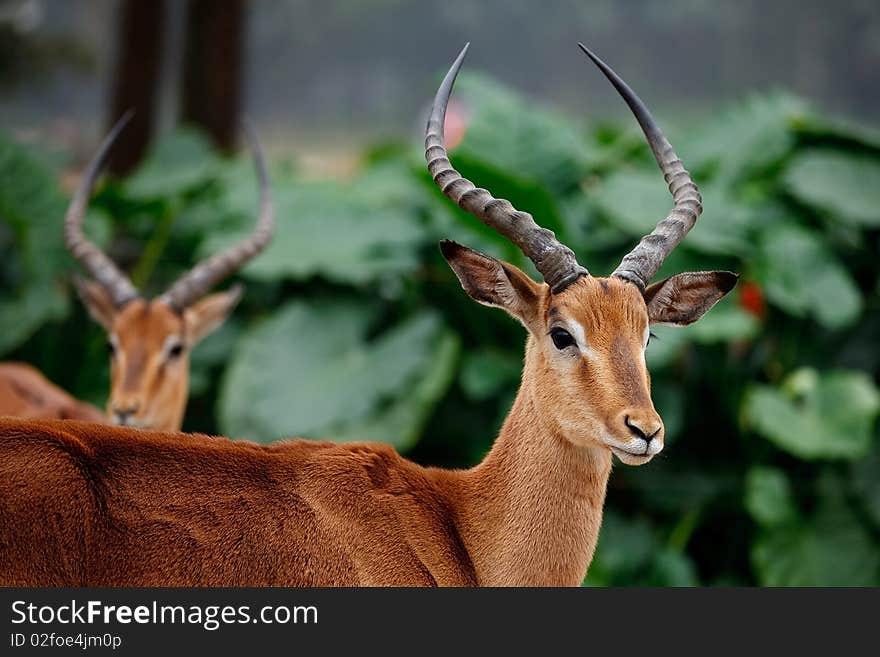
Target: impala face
x: 585, y: 357
x: 591, y: 370
x: 149, y: 345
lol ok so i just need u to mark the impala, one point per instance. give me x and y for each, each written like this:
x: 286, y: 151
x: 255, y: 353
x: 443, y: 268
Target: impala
x: 85, y: 504
x: 149, y: 341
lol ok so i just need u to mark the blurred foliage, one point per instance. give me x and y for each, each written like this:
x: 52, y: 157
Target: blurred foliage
x: 353, y: 327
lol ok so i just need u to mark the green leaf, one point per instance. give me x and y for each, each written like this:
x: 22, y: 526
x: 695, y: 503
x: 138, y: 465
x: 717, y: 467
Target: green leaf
x: 726, y: 322
x: 177, y: 162
x: 666, y: 346
x: 800, y: 275
x: 832, y: 549
x: 211, y: 353
x: 330, y: 229
x: 402, y: 422
x: 768, y: 496
x: 311, y: 371
x: 746, y: 139
x: 486, y: 372
x: 839, y: 129
x: 527, y: 141
x: 636, y: 200
x: 866, y: 481
x: 845, y: 186
x: 625, y: 544
x: 830, y: 418
x: 669, y: 400
x: 672, y: 568
x: 31, y: 246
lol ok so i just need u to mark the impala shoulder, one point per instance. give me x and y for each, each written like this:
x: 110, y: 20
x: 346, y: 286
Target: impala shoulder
x: 67, y: 436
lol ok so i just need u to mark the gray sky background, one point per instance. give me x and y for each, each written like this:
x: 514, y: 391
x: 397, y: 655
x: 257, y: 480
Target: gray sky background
x: 344, y: 73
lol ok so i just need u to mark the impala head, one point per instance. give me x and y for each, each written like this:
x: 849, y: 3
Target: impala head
x: 585, y: 357
x: 149, y: 341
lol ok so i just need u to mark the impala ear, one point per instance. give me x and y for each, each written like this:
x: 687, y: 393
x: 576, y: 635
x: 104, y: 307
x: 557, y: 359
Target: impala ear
x: 684, y: 298
x: 96, y: 300
x: 207, y: 314
x: 493, y: 282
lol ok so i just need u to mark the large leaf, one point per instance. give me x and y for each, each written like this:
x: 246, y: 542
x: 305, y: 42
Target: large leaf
x: 842, y: 185
x: 522, y: 138
x: 311, y: 371
x: 625, y: 544
x: 629, y: 553
x: 401, y: 423
x: 816, y: 415
x: 332, y: 230
x: 801, y: 275
x: 768, y: 496
x: 726, y: 322
x: 31, y: 216
x: 746, y: 139
x: 832, y: 549
x: 634, y: 201
x: 176, y: 163
x: 487, y: 372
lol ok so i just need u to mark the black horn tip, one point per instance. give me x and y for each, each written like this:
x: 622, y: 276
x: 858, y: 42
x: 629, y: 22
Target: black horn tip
x: 450, y: 247
x: 607, y: 71
x: 235, y: 292
x: 453, y: 71
x: 727, y: 280
x: 120, y: 124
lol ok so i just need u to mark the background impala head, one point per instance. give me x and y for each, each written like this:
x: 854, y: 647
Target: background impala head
x: 149, y: 341
x: 585, y: 356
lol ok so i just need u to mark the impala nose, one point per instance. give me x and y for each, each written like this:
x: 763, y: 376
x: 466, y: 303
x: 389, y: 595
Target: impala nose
x: 645, y: 426
x: 122, y: 414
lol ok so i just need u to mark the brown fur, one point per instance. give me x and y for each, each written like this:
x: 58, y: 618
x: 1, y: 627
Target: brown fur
x: 83, y: 504
x: 26, y: 393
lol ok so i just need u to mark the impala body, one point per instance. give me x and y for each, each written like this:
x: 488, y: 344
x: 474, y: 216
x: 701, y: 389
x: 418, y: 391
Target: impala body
x: 149, y: 341
x: 85, y: 504
x: 26, y: 393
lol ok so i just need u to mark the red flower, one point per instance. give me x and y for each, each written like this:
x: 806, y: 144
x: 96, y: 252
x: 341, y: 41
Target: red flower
x: 751, y: 299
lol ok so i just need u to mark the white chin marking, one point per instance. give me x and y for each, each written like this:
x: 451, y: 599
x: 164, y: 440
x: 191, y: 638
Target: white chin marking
x: 631, y: 459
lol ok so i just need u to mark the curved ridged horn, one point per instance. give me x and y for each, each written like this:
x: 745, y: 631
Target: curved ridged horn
x: 101, y: 268
x: 555, y: 261
x: 205, y: 275
x: 640, y: 265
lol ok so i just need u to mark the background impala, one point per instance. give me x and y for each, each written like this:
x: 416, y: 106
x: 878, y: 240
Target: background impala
x: 149, y: 342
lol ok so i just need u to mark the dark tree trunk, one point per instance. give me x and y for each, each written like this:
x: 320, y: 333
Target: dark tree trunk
x: 136, y: 79
x: 211, y: 91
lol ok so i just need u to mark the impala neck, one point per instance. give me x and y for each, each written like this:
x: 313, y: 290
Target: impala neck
x: 532, y: 509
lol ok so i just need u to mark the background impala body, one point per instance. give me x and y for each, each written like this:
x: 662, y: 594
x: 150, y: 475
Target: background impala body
x: 26, y: 393
x: 117, y: 507
x: 149, y: 341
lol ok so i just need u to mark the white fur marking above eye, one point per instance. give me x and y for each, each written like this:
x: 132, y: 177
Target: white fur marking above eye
x: 580, y: 336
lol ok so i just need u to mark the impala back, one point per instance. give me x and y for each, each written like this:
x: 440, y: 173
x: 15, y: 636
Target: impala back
x: 90, y: 505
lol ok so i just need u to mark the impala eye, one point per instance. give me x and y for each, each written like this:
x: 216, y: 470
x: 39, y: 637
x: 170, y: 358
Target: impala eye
x: 561, y: 338
x: 175, y: 351
x: 111, y: 348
